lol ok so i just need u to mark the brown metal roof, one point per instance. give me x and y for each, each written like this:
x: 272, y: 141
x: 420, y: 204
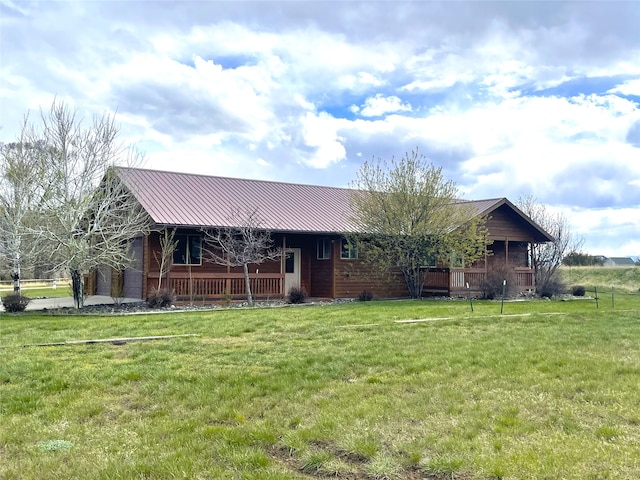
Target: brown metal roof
x: 182, y: 199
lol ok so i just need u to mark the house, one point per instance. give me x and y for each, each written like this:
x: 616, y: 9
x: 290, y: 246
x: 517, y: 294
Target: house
x: 618, y: 262
x: 308, y: 222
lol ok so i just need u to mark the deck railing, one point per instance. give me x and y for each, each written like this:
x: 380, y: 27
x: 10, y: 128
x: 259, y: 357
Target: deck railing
x: 221, y: 285
x: 472, y: 276
x: 437, y: 280
x: 458, y: 280
x: 525, y: 279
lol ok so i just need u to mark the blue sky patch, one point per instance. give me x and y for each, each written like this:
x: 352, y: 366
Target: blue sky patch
x: 580, y: 86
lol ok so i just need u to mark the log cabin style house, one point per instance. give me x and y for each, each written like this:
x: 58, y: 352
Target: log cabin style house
x: 308, y: 222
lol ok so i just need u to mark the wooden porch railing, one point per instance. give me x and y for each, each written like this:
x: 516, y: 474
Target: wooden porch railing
x: 525, y: 279
x: 436, y: 281
x: 219, y: 285
x: 454, y: 281
x: 473, y: 276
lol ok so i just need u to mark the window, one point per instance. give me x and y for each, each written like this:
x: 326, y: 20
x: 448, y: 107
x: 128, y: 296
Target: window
x: 431, y: 261
x: 188, y: 250
x: 348, y: 251
x: 457, y: 261
x: 289, y: 263
x: 324, y: 249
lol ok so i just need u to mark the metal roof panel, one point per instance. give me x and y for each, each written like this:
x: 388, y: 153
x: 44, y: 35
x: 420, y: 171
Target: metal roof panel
x: 173, y: 198
x: 184, y: 199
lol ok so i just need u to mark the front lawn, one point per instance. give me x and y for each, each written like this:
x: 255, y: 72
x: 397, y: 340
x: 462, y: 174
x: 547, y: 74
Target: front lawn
x: 548, y: 390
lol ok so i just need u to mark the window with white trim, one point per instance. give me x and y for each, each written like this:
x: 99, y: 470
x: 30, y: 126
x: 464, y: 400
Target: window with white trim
x: 348, y: 251
x: 432, y: 261
x: 324, y: 249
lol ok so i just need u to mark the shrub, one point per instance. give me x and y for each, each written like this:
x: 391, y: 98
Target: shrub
x: 14, y: 302
x: 491, y: 286
x: 552, y: 287
x: 365, y: 296
x: 578, y: 291
x: 161, y: 298
x: 296, y: 295
x: 226, y: 298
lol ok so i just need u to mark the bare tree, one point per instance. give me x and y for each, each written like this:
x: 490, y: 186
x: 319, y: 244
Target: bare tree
x: 89, y: 216
x: 168, y: 245
x: 23, y: 187
x: 245, y: 242
x: 407, y: 215
x: 546, y: 258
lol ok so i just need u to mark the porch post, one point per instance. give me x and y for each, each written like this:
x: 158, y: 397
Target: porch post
x: 333, y: 257
x: 506, y: 251
x: 530, y: 254
x: 283, y: 259
x: 145, y: 266
x: 533, y: 271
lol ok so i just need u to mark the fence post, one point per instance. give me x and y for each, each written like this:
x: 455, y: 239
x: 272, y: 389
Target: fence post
x: 595, y: 289
x: 504, y: 287
x: 613, y: 305
x: 469, y: 296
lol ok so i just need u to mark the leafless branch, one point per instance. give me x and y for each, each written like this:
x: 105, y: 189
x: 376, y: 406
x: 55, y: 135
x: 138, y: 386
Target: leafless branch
x: 86, y: 215
x: 168, y: 245
x: 244, y: 242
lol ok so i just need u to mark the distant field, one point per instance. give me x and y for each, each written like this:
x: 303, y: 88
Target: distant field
x: 548, y: 390
x: 39, y: 289
x: 621, y: 278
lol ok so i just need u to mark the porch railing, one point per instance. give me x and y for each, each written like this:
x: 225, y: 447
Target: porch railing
x: 473, y: 276
x: 454, y: 281
x: 525, y: 279
x: 436, y: 281
x: 220, y: 285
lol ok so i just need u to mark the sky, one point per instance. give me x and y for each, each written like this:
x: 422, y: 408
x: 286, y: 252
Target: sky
x: 509, y: 98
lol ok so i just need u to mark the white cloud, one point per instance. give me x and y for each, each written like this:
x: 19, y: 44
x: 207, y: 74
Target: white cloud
x: 546, y: 146
x: 610, y: 232
x: 369, y: 79
x: 320, y: 133
x: 630, y: 87
x: 380, y: 105
x: 266, y: 91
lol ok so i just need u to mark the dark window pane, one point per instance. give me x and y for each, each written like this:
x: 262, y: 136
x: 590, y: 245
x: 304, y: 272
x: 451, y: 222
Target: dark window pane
x: 180, y: 253
x: 324, y: 249
x: 194, y: 249
x: 289, y: 265
x: 348, y: 251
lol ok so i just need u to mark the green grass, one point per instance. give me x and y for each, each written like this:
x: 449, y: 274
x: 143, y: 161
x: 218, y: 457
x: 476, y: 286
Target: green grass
x: 621, y: 278
x: 550, y: 389
x: 41, y: 290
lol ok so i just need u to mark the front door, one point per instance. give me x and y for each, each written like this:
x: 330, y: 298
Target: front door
x: 291, y: 269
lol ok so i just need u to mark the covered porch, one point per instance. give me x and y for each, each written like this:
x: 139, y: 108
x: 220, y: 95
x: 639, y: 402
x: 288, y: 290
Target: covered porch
x: 198, y: 279
x: 506, y: 259
x: 469, y: 281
